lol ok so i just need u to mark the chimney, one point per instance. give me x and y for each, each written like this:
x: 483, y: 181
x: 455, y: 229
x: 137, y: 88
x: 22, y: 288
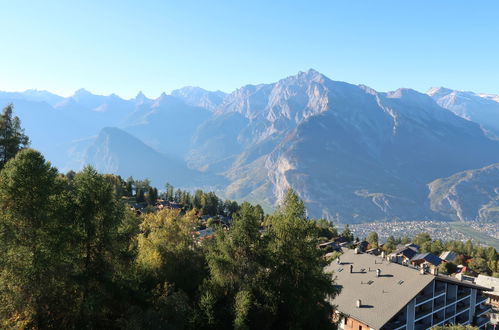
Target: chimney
x: 356, y: 250
x: 421, y: 270
x: 338, y: 261
x: 383, y: 254
x: 351, y: 269
x: 358, y: 303
x: 378, y: 272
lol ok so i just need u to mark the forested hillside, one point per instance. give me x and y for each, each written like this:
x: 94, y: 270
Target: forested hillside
x: 75, y: 256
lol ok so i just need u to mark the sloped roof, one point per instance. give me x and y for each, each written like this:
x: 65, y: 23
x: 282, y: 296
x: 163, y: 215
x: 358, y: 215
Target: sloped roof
x: 406, y: 251
x: 428, y: 257
x: 448, y: 255
x: 381, y: 297
x: 397, y: 285
x: 489, y: 282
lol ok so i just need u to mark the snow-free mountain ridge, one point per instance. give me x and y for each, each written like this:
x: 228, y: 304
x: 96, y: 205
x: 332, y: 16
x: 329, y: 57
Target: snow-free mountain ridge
x: 352, y: 153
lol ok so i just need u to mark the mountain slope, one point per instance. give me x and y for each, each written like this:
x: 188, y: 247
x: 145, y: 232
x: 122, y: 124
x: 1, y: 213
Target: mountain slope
x: 167, y: 124
x: 468, y: 195
x: 350, y: 152
x: 115, y: 151
x: 480, y: 108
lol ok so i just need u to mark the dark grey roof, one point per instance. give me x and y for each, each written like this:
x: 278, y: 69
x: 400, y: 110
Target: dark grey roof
x: 382, y: 296
x: 448, y: 255
x: 429, y: 257
x: 406, y: 251
x: 413, y: 246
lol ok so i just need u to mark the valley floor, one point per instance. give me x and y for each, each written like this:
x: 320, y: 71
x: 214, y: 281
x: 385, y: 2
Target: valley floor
x: 486, y: 233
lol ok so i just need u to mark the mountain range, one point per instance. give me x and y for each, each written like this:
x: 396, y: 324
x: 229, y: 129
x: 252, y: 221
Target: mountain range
x: 353, y: 154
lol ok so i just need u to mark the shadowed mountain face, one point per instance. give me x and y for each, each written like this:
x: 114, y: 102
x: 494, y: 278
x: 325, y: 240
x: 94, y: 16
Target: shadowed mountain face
x: 352, y: 153
x: 115, y: 151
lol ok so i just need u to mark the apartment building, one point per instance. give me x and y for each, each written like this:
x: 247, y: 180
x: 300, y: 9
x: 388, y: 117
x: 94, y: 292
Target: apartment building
x: 380, y: 294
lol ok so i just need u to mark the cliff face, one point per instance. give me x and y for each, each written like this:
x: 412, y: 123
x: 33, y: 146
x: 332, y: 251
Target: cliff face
x: 467, y: 195
x: 351, y: 153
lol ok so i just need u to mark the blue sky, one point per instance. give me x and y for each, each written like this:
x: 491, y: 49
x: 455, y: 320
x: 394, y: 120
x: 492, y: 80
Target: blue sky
x: 155, y: 46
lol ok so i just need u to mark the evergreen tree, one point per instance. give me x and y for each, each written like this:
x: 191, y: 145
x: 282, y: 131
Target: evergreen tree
x: 346, y: 233
x: 34, y: 289
x: 12, y: 137
x: 98, y: 217
x: 297, y: 279
x: 234, y: 295
x: 169, y: 192
x: 390, y: 244
x: 130, y: 186
x: 372, y: 239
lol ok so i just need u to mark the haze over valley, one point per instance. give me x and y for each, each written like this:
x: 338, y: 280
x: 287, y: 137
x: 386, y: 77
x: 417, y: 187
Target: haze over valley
x: 353, y: 154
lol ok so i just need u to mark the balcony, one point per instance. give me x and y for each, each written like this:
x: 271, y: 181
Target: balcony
x: 481, y: 321
x: 423, y: 324
x: 438, y: 303
x: 463, y: 318
x: 449, y: 313
x: 421, y: 298
x: 482, y: 309
x: 481, y: 299
x: 449, y: 300
x: 463, y: 293
x: 440, y: 288
x: 461, y: 307
x: 438, y: 317
x: 423, y: 310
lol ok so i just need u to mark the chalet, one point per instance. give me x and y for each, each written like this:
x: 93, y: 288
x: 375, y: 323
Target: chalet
x: 448, y: 256
x: 402, y: 254
x: 379, y: 294
x: 363, y: 245
x: 427, y: 259
x: 341, y: 240
x: 374, y: 251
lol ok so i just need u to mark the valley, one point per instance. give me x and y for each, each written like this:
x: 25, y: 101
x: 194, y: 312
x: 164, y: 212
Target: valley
x: 353, y: 154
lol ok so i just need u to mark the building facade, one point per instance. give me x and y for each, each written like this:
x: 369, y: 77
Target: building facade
x: 380, y: 294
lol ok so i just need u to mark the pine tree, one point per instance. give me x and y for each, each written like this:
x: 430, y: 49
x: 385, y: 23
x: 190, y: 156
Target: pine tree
x: 34, y: 253
x: 12, y: 137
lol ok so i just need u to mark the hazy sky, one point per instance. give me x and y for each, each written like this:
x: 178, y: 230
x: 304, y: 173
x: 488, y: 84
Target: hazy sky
x: 125, y: 46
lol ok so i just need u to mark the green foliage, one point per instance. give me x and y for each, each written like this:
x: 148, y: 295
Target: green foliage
x: 390, y: 245
x: 12, y: 137
x: 346, y: 233
x: 454, y: 327
x: 274, y: 280
x: 421, y: 238
x: 479, y: 265
x: 98, y: 216
x: 236, y: 264
x: 102, y: 266
x: 34, y: 269
x: 297, y: 268
x: 326, y: 229
x: 405, y: 240
x: 447, y: 268
x: 372, y: 239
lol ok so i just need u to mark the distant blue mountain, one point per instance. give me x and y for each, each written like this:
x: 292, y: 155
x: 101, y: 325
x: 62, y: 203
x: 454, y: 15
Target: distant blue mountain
x: 352, y: 153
